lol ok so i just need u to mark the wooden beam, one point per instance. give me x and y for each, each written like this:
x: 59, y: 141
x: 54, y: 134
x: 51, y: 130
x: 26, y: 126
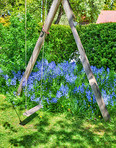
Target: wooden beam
x: 39, y: 43
x: 85, y: 63
x: 32, y: 110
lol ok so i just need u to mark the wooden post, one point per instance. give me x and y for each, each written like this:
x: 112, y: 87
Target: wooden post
x: 85, y: 63
x: 39, y: 43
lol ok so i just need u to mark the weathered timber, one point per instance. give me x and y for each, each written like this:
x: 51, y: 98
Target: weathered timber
x: 32, y: 110
x: 39, y: 43
x: 85, y: 63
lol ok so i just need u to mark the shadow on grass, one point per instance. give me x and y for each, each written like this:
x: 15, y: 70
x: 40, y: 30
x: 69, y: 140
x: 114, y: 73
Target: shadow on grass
x: 28, y: 119
x: 4, y: 106
x: 66, y: 132
x: 7, y: 125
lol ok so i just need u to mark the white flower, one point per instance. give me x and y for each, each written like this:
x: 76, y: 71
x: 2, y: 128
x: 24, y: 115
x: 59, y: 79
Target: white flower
x: 73, y: 61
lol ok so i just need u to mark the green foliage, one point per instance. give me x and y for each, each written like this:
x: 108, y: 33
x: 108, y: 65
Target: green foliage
x: 12, y: 53
x: 110, y: 5
x: 58, y: 43
x: 14, y: 100
x: 18, y: 7
x: 98, y: 41
x: 86, y: 10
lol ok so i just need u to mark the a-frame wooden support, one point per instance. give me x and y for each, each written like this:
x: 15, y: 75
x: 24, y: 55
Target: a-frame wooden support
x: 84, y: 59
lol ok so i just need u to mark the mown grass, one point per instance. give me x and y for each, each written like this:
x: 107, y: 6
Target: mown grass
x: 51, y: 130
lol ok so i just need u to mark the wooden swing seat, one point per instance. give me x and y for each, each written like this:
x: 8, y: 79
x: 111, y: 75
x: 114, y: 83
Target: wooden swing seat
x: 32, y: 110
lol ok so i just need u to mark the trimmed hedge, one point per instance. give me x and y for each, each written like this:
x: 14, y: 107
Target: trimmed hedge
x: 99, y: 42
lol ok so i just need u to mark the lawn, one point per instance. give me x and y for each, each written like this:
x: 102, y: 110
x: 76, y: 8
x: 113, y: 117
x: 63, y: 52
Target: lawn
x: 51, y: 130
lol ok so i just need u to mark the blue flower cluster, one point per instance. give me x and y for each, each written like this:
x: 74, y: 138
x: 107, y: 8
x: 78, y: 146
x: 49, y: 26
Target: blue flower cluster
x: 51, y: 72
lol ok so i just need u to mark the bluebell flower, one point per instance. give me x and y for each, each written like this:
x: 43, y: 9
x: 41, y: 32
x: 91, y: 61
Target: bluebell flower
x: 30, y: 80
x: 32, y: 97
x: 53, y: 75
x: 94, y: 99
x: 71, y: 78
x: 33, y: 90
x: 73, y: 64
x: 30, y: 87
x: 38, y: 65
x: 111, y: 102
x: 54, y: 100
x: 100, y: 71
x: 7, y: 83
x: 64, y: 66
x: 88, y: 95
x: 14, y: 93
x: 18, y: 75
x: 64, y: 90
x: 48, y: 101
x: 38, y: 75
x: 113, y: 94
x: 75, y: 90
x: 13, y: 72
x: 24, y: 82
x: 81, y: 88
x: 93, y: 68
x: 6, y: 77
x: 105, y: 97
x: 33, y: 75
x: 59, y: 94
x: 89, y: 98
x: 13, y: 81
x: 108, y: 71
x: 28, y: 95
x: 45, y: 63
x: 52, y: 65
x: 58, y: 72
x: 37, y: 99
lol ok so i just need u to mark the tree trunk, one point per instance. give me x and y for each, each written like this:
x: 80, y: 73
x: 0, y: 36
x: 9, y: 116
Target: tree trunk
x: 59, y: 15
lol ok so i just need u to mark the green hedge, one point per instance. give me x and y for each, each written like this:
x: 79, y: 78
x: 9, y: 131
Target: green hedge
x: 99, y: 41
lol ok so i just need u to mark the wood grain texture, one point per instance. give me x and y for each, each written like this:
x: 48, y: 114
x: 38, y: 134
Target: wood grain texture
x: 32, y: 110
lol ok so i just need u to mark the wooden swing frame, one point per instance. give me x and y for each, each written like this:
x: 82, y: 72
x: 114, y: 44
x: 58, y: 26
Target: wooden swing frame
x: 83, y: 57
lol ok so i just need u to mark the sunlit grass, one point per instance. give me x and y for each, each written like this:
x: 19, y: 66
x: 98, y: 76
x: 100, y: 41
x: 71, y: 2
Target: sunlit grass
x: 53, y: 130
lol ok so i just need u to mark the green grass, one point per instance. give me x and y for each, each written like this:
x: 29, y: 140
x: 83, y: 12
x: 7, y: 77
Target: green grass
x: 50, y: 130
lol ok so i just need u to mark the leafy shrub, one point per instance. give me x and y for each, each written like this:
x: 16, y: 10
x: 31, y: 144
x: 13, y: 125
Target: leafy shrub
x: 99, y: 42
x: 12, y: 53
